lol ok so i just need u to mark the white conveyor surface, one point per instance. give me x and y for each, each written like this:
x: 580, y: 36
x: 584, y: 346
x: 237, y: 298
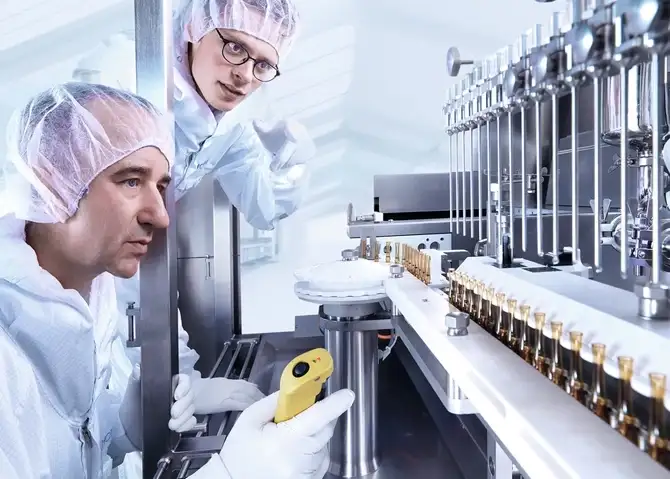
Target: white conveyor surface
x: 549, y: 433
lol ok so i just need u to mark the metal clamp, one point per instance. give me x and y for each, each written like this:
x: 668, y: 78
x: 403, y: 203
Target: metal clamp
x: 397, y: 270
x: 132, y: 313
x: 457, y: 324
x: 349, y: 255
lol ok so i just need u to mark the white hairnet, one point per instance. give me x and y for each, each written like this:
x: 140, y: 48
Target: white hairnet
x: 64, y: 138
x: 273, y: 21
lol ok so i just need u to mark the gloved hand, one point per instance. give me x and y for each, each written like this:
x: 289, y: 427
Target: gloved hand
x: 296, y: 449
x: 220, y: 395
x: 130, y: 412
x: 287, y: 140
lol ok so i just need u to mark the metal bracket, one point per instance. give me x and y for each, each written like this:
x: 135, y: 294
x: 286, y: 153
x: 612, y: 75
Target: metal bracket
x: 361, y: 325
x: 133, y: 313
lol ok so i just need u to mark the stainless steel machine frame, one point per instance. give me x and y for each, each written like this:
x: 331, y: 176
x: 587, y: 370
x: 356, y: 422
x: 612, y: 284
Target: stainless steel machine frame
x: 597, y: 68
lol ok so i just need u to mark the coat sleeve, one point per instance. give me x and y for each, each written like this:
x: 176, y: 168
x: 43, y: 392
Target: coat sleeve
x: 244, y: 168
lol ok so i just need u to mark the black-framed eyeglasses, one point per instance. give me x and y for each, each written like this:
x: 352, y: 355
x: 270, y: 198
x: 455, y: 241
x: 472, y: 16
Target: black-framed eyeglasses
x: 236, y: 54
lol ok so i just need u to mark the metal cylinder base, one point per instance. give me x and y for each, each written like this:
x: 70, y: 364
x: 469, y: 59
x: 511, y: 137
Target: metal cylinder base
x: 652, y: 301
x: 354, y: 447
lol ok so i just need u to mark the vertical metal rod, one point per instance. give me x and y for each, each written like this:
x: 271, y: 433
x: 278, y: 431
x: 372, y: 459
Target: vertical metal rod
x: 623, y: 113
x: 158, y: 271
x: 658, y: 115
x: 554, y: 173
x: 510, y: 157
x: 451, y: 179
x: 463, y: 197
x: 479, y: 181
x: 472, y: 183
x: 524, y: 233
x: 597, y: 175
x: 575, y: 173
x: 489, y: 217
x: 538, y: 176
x: 499, y: 179
x: 458, y: 167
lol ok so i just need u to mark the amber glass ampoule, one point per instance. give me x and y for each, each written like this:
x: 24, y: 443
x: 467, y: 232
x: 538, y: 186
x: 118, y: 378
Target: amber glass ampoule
x: 657, y: 445
x: 623, y: 418
x: 511, y: 337
x: 498, y: 312
x: 460, y: 300
x: 523, y: 347
x: 539, y: 359
x: 451, y: 273
x: 597, y: 401
x: 476, y: 308
x: 486, y: 307
x: 574, y: 385
x: 555, y: 372
x: 467, y: 301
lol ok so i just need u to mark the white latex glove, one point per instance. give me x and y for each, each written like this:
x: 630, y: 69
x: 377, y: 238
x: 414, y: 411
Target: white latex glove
x: 257, y: 448
x: 220, y: 395
x: 130, y: 413
x: 287, y: 140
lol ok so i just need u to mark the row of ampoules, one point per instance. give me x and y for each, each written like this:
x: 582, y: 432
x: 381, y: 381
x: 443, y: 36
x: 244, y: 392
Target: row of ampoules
x: 511, y: 324
x: 414, y: 260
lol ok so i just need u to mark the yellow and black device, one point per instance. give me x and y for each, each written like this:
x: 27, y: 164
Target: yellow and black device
x: 301, y: 383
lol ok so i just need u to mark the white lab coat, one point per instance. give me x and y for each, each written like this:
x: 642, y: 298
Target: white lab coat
x: 57, y: 416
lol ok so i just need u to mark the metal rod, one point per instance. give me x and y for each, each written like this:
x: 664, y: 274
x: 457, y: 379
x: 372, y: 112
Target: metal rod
x: 538, y: 176
x: 623, y: 113
x: 451, y: 181
x: 458, y: 200
x: 575, y: 173
x: 499, y: 178
x: 524, y: 232
x: 554, y: 174
x: 472, y: 183
x: 479, y: 180
x: 597, y: 175
x: 463, y: 185
x: 510, y: 157
x: 488, y: 180
x: 658, y: 115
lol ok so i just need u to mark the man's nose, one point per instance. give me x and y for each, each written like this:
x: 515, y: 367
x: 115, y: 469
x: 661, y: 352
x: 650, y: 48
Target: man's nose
x: 244, y: 73
x: 154, y: 212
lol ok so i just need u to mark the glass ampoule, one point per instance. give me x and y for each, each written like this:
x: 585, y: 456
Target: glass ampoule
x: 489, y: 322
x: 597, y: 400
x: 461, y: 291
x: 523, y: 346
x: 511, y: 336
x: 657, y: 444
x: 476, y: 309
x: 539, y: 359
x: 556, y: 373
x: 623, y: 419
x: 574, y: 385
x: 451, y: 273
x: 499, y: 330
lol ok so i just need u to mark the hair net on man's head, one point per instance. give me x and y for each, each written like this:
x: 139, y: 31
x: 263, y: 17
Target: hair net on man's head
x: 273, y: 21
x: 65, y: 137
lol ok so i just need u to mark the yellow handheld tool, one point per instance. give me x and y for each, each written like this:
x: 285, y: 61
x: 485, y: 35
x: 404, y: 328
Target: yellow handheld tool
x: 301, y: 383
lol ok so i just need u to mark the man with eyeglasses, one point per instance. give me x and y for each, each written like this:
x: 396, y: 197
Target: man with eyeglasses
x: 224, y: 51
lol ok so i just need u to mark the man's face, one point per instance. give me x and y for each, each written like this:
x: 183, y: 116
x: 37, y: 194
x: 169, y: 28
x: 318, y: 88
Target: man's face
x: 114, y: 224
x: 222, y: 84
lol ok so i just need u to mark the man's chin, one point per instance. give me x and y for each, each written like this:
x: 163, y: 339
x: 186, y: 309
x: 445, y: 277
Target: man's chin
x: 126, y: 269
